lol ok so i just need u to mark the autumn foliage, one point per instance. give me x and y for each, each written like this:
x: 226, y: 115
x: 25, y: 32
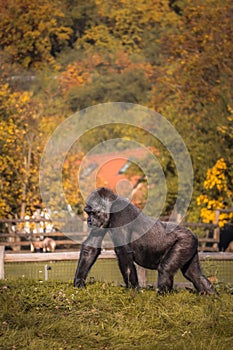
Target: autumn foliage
x: 218, y: 188
x: 58, y: 57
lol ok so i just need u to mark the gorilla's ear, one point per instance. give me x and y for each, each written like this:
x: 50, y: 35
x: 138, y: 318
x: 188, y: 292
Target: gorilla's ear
x: 107, y: 194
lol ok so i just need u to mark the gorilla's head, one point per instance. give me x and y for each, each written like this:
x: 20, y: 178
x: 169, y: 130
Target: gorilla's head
x: 98, y: 207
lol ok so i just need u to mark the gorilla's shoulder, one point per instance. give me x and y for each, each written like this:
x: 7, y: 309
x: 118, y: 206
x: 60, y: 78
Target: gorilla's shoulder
x: 121, y: 204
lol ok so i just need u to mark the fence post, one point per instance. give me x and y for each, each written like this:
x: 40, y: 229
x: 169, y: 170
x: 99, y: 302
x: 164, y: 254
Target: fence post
x: 216, y: 229
x: 2, y: 249
x: 142, y: 276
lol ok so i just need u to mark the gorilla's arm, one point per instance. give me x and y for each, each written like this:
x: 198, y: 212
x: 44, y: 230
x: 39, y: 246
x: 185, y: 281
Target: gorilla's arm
x: 90, y: 250
x: 127, y: 266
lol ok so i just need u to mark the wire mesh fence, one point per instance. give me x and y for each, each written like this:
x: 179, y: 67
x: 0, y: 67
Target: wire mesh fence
x: 218, y: 270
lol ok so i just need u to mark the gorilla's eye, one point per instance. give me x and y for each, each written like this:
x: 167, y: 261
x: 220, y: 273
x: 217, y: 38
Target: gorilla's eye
x: 94, y: 212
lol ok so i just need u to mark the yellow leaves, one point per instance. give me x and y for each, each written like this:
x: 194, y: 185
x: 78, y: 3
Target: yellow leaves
x: 127, y: 21
x: 227, y: 129
x: 13, y: 105
x: 4, y: 90
x: 29, y: 30
x: 100, y: 37
x: 202, y: 199
x: 216, y: 176
x: 230, y: 110
x: 208, y: 216
x: 7, y: 129
x: 4, y: 207
x: 18, y: 120
x: 23, y: 98
x: 218, y: 195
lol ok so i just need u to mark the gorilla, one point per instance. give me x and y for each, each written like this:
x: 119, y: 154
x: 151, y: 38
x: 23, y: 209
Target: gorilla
x: 140, y: 239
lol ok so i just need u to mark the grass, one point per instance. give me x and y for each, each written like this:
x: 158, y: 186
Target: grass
x: 106, y: 270
x: 53, y: 315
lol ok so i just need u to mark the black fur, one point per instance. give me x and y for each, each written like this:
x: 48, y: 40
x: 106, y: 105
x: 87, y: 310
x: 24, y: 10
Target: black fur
x: 150, y: 243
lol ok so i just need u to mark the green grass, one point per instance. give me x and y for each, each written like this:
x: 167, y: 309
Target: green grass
x: 106, y: 270
x: 53, y: 315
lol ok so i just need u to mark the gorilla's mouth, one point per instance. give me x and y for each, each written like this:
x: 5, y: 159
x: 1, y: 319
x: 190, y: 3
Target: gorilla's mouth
x: 90, y: 224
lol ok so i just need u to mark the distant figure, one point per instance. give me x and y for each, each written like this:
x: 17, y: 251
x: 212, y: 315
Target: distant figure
x: 226, y: 236
x: 48, y: 245
x: 230, y: 247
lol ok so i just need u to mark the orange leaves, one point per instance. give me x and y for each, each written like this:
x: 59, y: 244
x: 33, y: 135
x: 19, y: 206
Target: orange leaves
x: 78, y: 73
x: 82, y: 72
x: 123, y: 63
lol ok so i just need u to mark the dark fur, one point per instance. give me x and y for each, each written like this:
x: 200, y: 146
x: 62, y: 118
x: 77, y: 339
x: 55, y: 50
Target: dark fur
x: 138, y: 238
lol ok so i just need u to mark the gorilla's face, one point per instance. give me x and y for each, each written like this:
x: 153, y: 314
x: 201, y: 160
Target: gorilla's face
x: 98, y: 212
x: 96, y: 217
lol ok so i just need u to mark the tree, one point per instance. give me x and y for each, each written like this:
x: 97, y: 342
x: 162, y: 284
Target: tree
x: 193, y: 85
x: 99, y: 78
x: 81, y: 15
x: 32, y: 32
x: 217, y: 194
x: 125, y: 24
x: 19, y: 157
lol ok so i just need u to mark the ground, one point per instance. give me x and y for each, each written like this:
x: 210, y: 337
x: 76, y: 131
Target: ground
x: 54, y: 315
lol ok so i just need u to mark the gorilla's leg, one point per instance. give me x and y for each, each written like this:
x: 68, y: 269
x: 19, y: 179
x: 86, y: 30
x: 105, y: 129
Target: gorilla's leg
x: 166, y: 272
x: 173, y: 260
x: 165, y: 281
x: 192, y: 271
x: 127, y: 267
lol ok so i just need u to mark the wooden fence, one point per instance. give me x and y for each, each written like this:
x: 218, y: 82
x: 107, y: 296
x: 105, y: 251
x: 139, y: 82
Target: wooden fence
x: 220, y: 272
x: 18, y: 238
